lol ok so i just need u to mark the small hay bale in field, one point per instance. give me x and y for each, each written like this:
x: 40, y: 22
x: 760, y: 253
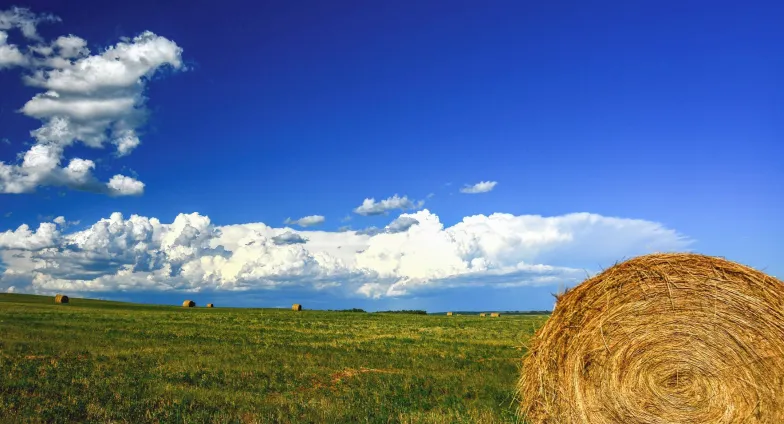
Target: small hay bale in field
x: 210, y: 305
x: 188, y: 304
x: 296, y: 307
x: 449, y: 314
x: 495, y: 315
x: 663, y: 338
x: 482, y: 314
x: 61, y: 298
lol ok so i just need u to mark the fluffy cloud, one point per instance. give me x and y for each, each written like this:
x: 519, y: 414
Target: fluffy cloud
x: 306, y: 221
x: 415, y: 253
x: 480, y: 187
x: 25, y: 20
x: 95, y: 99
x: 370, y: 207
x: 9, y: 53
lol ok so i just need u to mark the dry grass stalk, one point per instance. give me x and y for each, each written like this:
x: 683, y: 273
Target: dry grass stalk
x: 210, y: 305
x: 61, y: 298
x: 296, y: 307
x: 188, y: 304
x: 664, y: 338
x: 495, y: 314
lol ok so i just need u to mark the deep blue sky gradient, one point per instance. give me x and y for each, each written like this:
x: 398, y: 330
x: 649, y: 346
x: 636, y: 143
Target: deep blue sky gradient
x: 666, y: 111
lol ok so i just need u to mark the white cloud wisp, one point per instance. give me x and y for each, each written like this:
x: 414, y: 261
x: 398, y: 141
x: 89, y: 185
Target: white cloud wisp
x: 480, y: 187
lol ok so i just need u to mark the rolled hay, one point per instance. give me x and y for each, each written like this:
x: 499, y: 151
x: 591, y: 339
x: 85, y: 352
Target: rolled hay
x: 482, y: 314
x: 495, y: 315
x: 188, y: 304
x: 449, y: 314
x: 210, y: 305
x: 296, y: 307
x: 663, y: 338
x: 61, y: 298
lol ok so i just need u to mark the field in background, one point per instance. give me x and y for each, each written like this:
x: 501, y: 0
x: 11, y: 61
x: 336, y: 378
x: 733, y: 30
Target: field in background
x: 107, y: 361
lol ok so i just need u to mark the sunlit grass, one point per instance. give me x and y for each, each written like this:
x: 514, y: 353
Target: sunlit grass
x: 112, y: 362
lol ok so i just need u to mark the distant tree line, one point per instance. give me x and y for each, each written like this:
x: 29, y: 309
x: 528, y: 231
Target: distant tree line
x: 347, y: 310
x: 405, y: 311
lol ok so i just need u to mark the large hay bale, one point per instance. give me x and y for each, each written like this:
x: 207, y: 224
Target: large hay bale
x: 296, y: 307
x: 210, y: 305
x: 188, y: 304
x: 495, y: 315
x: 664, y: 338
x: 61, y: 298
x: 482, y: 314
x: 449, y: 314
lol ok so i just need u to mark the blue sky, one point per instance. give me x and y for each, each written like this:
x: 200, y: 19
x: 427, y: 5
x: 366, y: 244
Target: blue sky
x: 662, y: 120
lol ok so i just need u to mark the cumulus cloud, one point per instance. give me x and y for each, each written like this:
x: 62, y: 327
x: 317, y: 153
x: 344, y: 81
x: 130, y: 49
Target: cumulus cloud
x: 25, y: 239
x: 93, y: 99
x: 370, y: 207
x: 480, y: 187
x: 10, y: 55
x: 306, y: 221
x: 192, y: 254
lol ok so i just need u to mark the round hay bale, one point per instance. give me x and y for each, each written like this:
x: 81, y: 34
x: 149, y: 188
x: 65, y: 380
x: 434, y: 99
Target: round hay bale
x: 449, y: 314
x: 482, y: 314
x: 61, y: 298
x: 664, y: 338
x: 296, y: 307
x: 188, y: 304
x: 495, y: 315
x: 210, y: 305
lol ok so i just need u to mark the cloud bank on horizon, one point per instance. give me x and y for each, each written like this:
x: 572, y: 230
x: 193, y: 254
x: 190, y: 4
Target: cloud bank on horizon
x: 415, y: 254
x: 87, y: 98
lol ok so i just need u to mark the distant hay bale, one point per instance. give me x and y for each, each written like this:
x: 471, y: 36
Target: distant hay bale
x: 296, y: 307
x: 663, y: 338
x: 188, y: 304
x: 210, y: 305
x: 495, y: 314
x: 449, y: 314
x: 482, y: 314
x: 61, y: 298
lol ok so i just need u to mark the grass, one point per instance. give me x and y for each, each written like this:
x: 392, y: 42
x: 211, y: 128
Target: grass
x: 97, y: 361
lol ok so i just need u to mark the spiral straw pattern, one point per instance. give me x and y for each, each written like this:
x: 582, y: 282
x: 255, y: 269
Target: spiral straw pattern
x: 663, y: 338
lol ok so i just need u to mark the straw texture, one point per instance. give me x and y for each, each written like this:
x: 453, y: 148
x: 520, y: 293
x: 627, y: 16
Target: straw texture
x: 664, y: 338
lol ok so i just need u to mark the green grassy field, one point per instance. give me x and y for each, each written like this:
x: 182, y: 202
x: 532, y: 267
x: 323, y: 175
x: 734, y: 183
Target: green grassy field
x: 95, y: 361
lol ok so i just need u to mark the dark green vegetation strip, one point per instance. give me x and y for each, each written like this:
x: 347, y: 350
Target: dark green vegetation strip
x: 94, y: 361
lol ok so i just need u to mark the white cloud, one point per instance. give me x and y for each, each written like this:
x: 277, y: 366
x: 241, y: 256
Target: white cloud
x: 191, y: 254
x: 25, y: 20
x: 9, y: 53
x: 306, y: 221
x: 95, y: 99
x: 480, y: 187
x: 121, y: 185
x: 24, y: 239
x: 370, y: 207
